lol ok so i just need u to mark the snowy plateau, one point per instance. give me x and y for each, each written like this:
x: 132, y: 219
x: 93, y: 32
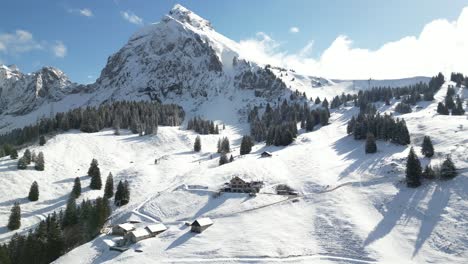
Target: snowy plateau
x: 351, y: 207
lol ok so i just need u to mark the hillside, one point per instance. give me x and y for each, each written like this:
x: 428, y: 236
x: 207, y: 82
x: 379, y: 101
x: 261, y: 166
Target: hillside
x: 351, y: 207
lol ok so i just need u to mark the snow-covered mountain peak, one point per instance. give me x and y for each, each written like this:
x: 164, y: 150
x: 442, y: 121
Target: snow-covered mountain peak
x: 185, y: 16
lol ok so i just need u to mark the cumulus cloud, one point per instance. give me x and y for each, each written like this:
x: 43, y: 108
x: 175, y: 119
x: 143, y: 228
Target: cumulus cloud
x: 59, y: 49
x: 131, y: 17
x: 18, y: 42
x: 294, y: 30
x: 442, y: 45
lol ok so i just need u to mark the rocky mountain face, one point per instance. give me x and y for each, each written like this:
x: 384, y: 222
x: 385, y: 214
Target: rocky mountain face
x: 181, y: 55
x: 21, y: 93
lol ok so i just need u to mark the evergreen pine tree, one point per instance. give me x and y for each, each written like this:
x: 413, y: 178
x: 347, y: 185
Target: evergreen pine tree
x: 413, y: 170
x: 442, y: 109
x: 40, y: 162
x: 223, y: 159
x: 42, y: 140
x: 371, y: 146
x: 448, y: 169
x: 14, y: 154
x: 231, y: 159
x: 27, y: 156
x: 122, y: 195
x: 95, y: 173
x: 33, y: 157
x: 246, y: 145
x: 429, y: 173
x: 70, y: 216
x: 76, y: 191
x: 109, y: 188
x: 14, y: 222
x: 22, y: 165
x: 197, y: 144
x: 427, y: 147
x: 34, y: 192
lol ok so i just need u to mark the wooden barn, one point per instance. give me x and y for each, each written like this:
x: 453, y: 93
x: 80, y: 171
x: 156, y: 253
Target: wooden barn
x: 201, y: 224
x: 138, y: 235
x: 156, y: 229
x: 122, y: 229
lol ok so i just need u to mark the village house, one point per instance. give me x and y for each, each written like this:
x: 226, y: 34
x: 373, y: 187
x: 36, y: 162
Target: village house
x: 201, y: 224
x: 138, y: 235
x: 238, y: 185
x: 266, y: 154
x: 122, y: 229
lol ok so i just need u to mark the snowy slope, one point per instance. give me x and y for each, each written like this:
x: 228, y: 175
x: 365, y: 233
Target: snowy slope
x: 353, y: 207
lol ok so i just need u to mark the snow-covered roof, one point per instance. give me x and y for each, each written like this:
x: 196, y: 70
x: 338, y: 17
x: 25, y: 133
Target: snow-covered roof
x: 127, y: 226
x: 156, y: 228
x: 140, y: 232
x: 203, y: 221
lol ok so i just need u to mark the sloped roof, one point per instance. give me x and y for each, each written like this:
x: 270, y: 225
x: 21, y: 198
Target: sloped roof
x: 203, y: 222
x: 237, y: 178
x: 140, y: 232
x: 127, y: 226
x: 267, y: 153
x: 156, y: 228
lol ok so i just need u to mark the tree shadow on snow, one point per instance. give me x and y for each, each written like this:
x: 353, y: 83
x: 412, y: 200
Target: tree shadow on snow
x: 404, y: 207
x: 353, y: 150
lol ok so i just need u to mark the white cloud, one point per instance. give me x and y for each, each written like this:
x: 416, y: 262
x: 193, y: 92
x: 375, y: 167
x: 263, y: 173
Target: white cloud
x: 86, y: 12
x: 59, y: 49
x: 131, y: 17
x: 83, y: 12
x: 18, y: 42
x: 441, y: 46
x: 294, y: 30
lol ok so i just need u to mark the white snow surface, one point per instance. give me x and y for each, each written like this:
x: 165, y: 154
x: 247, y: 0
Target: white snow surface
x: 352, y: 208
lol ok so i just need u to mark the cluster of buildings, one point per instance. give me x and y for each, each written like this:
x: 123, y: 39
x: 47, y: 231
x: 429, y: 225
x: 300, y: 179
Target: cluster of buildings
x: 238, y: 185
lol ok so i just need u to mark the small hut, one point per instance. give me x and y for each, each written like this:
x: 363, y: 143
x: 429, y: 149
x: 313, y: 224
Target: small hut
x: 201, y: 224
x: 156, y: 229
x: 266, y: 154
x: 122, y: 229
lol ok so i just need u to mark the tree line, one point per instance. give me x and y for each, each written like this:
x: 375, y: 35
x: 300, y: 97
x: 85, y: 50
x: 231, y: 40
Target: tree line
x: 140, y: 117
x: 202, y: 126
x: 383, y: 127
x: 278, y: 125
x: 449, y: 106
x: 57, y: 234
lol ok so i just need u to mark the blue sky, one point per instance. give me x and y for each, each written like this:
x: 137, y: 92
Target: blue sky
x: 78, y: 36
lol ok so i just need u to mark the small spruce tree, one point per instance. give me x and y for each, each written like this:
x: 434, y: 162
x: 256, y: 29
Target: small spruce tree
x: 40, y: 162
x: 223, y: 159
x: 197, y: 144
x: 22, y: 165
x: 76, y: 191
x: 429, y: 173
x: 448, y: 169
x: 371, y: 146
x: 27, y: 156
x: 14, y: 222
x: 413, y: 170
x: 14, y: 154
x: 95, y: 173
x: 427, y: 147
x: 109, y: 188
x: 34, y: 192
